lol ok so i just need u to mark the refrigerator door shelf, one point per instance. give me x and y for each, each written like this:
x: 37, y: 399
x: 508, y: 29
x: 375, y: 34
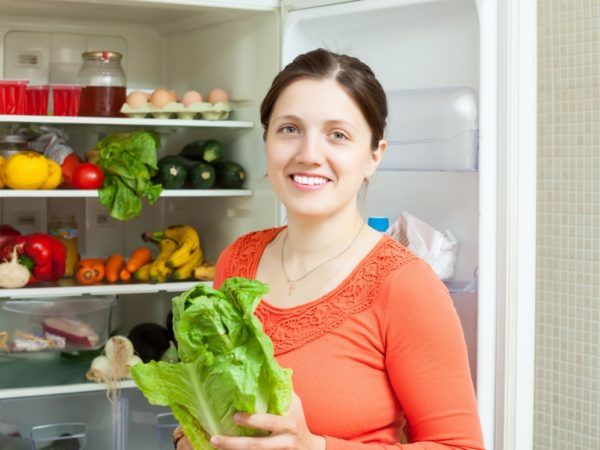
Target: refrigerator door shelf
x: 432, y: 129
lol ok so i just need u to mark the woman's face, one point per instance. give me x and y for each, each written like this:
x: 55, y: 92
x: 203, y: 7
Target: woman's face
x: 318, y: 148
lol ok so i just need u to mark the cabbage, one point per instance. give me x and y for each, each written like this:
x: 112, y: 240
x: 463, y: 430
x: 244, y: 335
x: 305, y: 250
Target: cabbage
x: 226, y: 363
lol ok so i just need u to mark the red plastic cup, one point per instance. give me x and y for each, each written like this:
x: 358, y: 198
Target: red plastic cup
x: 37, y: 100
x: 65, y: 98
x: 12, y: 96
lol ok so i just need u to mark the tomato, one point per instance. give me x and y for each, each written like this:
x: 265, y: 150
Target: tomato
x: 87, y: 176
x: 68, y: 166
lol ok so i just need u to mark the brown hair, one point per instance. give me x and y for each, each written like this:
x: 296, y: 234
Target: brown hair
x: 352, y: 74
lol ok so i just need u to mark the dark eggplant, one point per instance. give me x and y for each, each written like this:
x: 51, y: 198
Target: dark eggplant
x: 150, y: 341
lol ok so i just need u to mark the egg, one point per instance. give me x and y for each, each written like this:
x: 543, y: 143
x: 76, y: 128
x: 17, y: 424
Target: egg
x: 173, y: 96
x: 217, y: 95
x: 136, y: 99
x: 160, y: 97
x: 191, y: 97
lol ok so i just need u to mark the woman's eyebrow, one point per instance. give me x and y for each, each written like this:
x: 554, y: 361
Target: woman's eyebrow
x: 288, y: 117
x: 341, y: 122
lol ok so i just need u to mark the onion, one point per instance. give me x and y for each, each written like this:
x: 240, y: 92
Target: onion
x: 113, y: 365
x: 12, y: 273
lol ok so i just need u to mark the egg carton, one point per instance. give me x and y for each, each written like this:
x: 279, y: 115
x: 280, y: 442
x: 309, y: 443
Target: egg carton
x: 204, y: 110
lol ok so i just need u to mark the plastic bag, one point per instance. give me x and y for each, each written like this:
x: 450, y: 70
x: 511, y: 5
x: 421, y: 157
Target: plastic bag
x: 49, y: 141
x: 436, y: 248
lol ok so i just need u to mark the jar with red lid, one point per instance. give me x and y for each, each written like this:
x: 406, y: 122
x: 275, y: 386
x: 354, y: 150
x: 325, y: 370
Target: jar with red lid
x: 104, y: 84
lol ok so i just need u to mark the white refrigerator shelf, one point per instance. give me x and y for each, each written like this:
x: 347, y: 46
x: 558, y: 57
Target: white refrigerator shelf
x: 67, y: 288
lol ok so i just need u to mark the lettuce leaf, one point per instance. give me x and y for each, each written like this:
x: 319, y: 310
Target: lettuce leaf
x: 129, y: 162
x: 226, y: 363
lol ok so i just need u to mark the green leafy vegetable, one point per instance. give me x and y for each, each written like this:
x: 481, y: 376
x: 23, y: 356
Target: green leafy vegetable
x: 227, y: 363
x: 128, y: 161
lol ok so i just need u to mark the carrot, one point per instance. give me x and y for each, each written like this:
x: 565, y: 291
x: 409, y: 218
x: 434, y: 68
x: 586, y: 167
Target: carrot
x: 90, y: 271
x: 113, y: 266
x: 124, y: 274
x: 139, y: 257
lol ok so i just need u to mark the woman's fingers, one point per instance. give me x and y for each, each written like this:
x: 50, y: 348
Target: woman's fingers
x: 184, y: 444
x: 269, y: 422
x: 273, y: 442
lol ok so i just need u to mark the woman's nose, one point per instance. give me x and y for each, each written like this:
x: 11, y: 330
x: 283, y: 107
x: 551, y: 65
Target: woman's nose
x: 310, y: 150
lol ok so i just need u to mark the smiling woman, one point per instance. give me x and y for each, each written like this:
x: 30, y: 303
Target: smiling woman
x: 370, y: 333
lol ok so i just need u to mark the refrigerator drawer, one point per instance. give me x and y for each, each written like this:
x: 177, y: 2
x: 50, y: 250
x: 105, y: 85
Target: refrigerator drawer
x: 84, y: 417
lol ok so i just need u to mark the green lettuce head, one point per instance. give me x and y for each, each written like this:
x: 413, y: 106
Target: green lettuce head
x: 227, y: 363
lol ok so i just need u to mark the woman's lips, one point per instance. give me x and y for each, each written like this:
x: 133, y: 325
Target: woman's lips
x: 309, y: 182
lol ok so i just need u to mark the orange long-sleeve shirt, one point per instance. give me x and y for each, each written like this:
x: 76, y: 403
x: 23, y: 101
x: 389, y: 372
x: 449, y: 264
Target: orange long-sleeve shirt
x: 383, y: 350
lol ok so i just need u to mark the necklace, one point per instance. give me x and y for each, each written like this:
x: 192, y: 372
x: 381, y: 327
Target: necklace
x: 292, y: 283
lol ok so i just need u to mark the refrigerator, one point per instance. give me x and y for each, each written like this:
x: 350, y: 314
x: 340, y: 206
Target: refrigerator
x: 434, y: 58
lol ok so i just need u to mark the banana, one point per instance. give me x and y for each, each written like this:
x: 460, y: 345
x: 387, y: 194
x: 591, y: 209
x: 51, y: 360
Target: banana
x: 159, y: 272
x: 189, y: 242
x: 143, y: 273
x: 185, y: 271
x: 206, y: 271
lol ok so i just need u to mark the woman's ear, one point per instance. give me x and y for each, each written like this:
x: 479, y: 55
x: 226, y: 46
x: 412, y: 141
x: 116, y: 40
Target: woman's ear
x: 376, y: 156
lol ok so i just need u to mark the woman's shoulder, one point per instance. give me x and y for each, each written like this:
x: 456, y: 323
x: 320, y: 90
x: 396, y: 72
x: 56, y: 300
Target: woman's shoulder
x: 241, y: 256
x: 253, y: 240
x: 408, y: 279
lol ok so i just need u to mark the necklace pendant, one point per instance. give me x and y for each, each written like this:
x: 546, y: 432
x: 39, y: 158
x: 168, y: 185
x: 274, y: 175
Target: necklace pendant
x: 291, y: 287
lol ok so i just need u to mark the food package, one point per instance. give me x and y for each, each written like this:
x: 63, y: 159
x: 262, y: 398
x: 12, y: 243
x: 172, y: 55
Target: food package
x: 437, y: 249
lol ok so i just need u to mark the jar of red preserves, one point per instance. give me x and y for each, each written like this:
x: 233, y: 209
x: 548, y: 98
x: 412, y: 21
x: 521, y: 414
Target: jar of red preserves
x: 104, y: 84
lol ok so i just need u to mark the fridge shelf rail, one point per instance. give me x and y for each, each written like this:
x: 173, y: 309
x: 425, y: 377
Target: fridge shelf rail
x: 126, y: 122
x: 60, y: 389
x: 67, y: 288
x: 75, y: 193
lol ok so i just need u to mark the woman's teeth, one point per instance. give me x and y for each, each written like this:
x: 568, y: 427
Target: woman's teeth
x: 309, y: 180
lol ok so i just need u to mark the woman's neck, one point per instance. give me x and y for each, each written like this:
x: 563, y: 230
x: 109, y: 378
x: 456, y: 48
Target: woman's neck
x: 312, y: 240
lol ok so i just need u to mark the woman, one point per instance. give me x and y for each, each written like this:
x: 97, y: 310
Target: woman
x: 369, y: 331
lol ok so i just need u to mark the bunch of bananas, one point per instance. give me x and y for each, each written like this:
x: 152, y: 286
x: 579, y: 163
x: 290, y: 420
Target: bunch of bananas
x: 179, y: 254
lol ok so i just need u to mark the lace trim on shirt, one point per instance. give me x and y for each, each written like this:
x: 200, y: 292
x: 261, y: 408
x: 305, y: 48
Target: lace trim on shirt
x: 291, y: 328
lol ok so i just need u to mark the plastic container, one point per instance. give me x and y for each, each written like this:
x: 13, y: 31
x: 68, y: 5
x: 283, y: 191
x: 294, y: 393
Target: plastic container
x: 11, y: 144
x: 12, y: 96
x: 37, y: 100
x: 61, y: 324
x: 165, y: 425
x: 104, y: 84
x: 379, y: 223
x: 65, y: 99
x: 65, y: 229
x: 432, y: 129
x: 60, y: 436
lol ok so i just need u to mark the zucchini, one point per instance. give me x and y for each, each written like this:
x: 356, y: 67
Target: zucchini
x: 172, y: 172
x: 230, y: 175
x: 201, y: 175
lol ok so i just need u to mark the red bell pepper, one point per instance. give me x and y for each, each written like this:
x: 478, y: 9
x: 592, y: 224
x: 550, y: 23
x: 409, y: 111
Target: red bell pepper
x: 6, y: 233
x: 43, y: 254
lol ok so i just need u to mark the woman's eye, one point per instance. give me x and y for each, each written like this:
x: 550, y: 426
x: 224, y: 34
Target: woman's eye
x: 339, y: 135
x: 288, y: 129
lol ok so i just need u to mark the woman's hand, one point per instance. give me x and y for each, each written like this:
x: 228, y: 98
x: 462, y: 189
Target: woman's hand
x: 288, y: 432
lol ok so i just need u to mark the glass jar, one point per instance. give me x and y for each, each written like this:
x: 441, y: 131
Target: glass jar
x: 11, y: 144
x: 65, y: 229
x: 104, y: 84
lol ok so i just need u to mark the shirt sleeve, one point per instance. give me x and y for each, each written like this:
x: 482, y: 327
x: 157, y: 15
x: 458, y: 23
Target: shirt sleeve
x: 427, y: 364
